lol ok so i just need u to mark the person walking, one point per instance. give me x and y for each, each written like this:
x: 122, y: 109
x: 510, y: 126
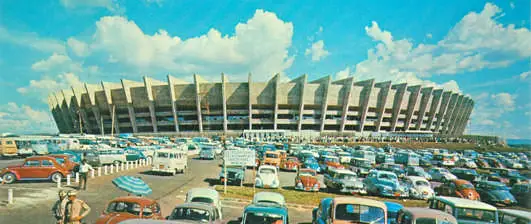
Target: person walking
x: 58, y: 208
x: 83, y: 173
x: 75, y: 209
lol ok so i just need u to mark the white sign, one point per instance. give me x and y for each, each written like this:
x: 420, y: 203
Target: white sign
x: 239, y: 157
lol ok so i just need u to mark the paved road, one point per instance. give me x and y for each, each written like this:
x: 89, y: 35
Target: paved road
x: 33, y: 200
x: 9, y: 162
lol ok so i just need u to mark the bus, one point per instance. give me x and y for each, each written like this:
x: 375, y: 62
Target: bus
x: 407, y: 158
x: 365, y: 154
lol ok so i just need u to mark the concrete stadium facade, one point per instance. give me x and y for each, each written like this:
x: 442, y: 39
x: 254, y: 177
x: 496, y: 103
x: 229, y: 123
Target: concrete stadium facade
x: 344, y: 106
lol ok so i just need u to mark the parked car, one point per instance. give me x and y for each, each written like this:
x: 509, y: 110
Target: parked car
x: 417, y: 171
x: 360, y: 166
x: 311, y: 163
x: 65, y: 161
x: 290, y: 163
x: 510, y: 216
x: 343, y: 181
x: 465, y: 210
x: 349, y: 210
x: 392, y: 211
x: 267, y: 177
x: 207, y: 153
x: 125, y: 208
x: 195, y: 213
x: 133, y: 154
x: 206, y: 196
x: 92, y: 158
x: 264, y: 213
x: 269, y: 197
x: 169, y: 161
x: 384, y: 158
x: 8, y: 148
x: 466, y: 162
x: 306, y: 180
x: 111, y: 156
x: 419, y: 187
x: 481, y: 163
x: 330, y: 162
x: 465, y: 174
x: 384, y: 183
x: 272, y: 158
x: 522, y: 193
x: 424, y: 215
x: 441, y: 174
x: 495, y: 193
x: 513, y: 176
x: 458, y: 188
x: 235, y: 175
x: 443, y: 160
x: 391, y: 167
x: 35, y: 168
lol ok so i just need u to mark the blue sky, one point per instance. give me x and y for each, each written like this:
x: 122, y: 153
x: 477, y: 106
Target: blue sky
x: 479, y: 48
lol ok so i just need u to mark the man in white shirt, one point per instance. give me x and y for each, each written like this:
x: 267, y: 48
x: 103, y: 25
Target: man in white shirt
x: 83, y: 173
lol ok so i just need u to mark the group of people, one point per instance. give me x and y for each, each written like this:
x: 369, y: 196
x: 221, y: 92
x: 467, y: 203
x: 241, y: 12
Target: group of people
x: 69, y: 209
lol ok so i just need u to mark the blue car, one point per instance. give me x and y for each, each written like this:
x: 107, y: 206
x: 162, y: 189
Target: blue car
x: 385, y: 183
x: 264, y: 213
x: 392, y: 211
x: 311, y: 163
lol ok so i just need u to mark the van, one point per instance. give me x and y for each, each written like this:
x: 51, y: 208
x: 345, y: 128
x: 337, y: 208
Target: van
x: 466, y: 211
x: 112, y: 156
x: 8, y: 148
x: 514, y: 216
x: 169, y: 161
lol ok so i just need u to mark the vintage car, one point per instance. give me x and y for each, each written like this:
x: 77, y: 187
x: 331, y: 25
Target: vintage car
x: 495, y: 193
x: 466, y: 163
x: 272, y: 158
x: 482, y: 163
x: 306, y: 180
x: 264, y: 213
x: 441, y: 174
x: 384, y: 158
x: 133, y: 154
x: 311, y: 163
x: 205, y: 195
x: 494, y: 162
x: 344, y: 157
x: 442, y: 159
x: 8, y: 148
x: 513, y: 176
x: 465, y: 210
x: 330, y: 162
x: 391, y: 167
x: 267, y: 177
x: 465, y: 174
x: 392, y: 211
x: 522, y: 193
x: 349, y: 210
x: 384, y: 183
x: 65, y: 161
x: 35, y: 168
x: 458, y: 188
x: 290, y: 163
x: 169, y: 161
x: 195, y: 213
x: 343, y: 181
x: 92, y: 157
x: 125, y: 208
x: 424, y: 215
x: 419, y: 187
x: 269, y: 197
x: 207, y: 153
x: 360, y: 166
x: 111, y: 156
x: 417, y: 171
x: 235, y: 175
x: 510, y: 216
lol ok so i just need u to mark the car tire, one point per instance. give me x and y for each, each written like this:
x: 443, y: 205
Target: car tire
x: 55, y: 177
x: 9, y: 178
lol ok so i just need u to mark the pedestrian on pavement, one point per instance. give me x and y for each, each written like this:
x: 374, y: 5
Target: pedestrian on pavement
x: 58, y: 208
x: 75, y: 209
x: 83, y: 173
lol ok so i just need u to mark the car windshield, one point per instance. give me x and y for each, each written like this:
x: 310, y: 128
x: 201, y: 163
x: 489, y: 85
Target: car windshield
x: 60, y: 160
x: 359, y: 213
x: 162, y: 154
x: 475, y: 215
x: 262, y: 218
x: 332, y: 160
x: 497, y: 187
x: 202, y: 200
x: 122, y: 206
x: 345, y: 176
x: 471, y: 172
x: 306, y: 173
x: 267, y: 171
x: 422, y: 183
x: 292, y: 159
x: 429, y: 221
x: 271, y: 155
x: 387, y: 176
x: 364, y: 164
x: 194, y: 214
x: 465, y: 186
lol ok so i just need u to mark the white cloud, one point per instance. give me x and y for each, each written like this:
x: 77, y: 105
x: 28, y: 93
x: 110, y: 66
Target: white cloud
x: 72, y: 4
x: 79, y: 48
x: 511, y: 4
x: 317, y: 51
x: 429, y: 35
x: 42, y: 88
x: 31, y: 40
x: 525, y: 75
x: 343, y: 74
x: 56, y: 62
x: 505, y: 100
x: 490, y: 111
x: 24, y: 119
x: 259, y: 46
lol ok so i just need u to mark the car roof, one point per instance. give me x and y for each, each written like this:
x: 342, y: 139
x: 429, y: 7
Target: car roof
x: 197, y: 205
x: 416, y: 178
x: 342, y: 171
x: 269, y: 195
x: 360, y: 201
x: 194, y: 192
x: 429, y: 213
x: 139, y: 200
x: 465, y: 203
x: 386, y: 172
x: 393, y: 206
x: 40, y: 158
x: 461, y: 181
x: 268, y: 208
x: 307, y: 170
x: 519, y: 213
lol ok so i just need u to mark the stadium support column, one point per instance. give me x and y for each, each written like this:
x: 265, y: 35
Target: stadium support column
x: 224, y: 99
x: 108, y: 100
x: 448, y: 113
x: 451, y: 120
x: 275, y: 114
x: 327, y: 83
x: 94, y: 108
x: 86, y: 124
x: 64, y: 115
x: 57, y: 113
x: 466, y: 118
x: 458, y: 115
x: 442, y: 109
x: 249, y: 82
x: 397, y: 103
x: 127, y: 92
x: 435, y: 101
x: 382, y: 101
x: 198, y: 103
x: 349, y: 82
x: 71, y: 113
x: 426, y: 95
x: 302, y: 82
x: 151, y: 103
x: 412, y: 103
x: 171, y: 85
x: 368, y: 85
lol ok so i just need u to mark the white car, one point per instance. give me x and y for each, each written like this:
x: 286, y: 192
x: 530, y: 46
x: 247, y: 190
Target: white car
x: 441, y: 174
x: 205, y: 195
x: 269, y: 197
x: 466, y: 162
x: 419, y: 187
x: 344, y: 157
x: 267, y: 177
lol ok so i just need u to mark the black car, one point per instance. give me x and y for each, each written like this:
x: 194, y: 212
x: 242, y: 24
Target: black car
x: 465, y: 174
x: 522, y: 193
x: 495, y: 193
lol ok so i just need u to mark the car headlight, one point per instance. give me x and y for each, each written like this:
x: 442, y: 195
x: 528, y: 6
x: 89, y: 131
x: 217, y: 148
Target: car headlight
x: 316, y: 186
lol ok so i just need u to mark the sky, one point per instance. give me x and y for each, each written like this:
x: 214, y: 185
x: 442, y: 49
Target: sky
x: 481, y: 49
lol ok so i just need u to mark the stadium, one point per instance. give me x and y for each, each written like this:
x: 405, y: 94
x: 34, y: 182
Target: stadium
x: 325, y: 106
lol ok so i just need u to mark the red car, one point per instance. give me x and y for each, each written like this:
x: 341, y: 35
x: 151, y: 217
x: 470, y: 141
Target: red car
x: 124, y: 208
x: 35, y: 168
x: 306, y: 180
x: 458, y: 188
x: 290, y: 163
x: 65, y: 161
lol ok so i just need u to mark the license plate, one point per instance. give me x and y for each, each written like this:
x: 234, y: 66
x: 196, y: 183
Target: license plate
x: 161, y: 166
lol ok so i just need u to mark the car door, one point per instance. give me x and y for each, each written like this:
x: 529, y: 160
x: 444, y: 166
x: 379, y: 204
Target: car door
x: 47, y: 168
x: 30, y: 169
x: 327, y: 180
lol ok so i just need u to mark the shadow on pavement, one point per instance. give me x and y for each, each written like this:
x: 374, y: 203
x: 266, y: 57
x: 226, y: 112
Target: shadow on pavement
x: 211, y: 181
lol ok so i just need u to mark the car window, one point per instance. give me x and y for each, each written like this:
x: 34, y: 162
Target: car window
x: 47, y: 163
x: 147, y: 211
x: 32, y: 163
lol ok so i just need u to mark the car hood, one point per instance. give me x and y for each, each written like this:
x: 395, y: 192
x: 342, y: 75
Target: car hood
x: 113, y: 218
x: 389, y: 183
x: 308, y: 180
x: 471, y: 194
x: 423, y: 189
x: 356, y: 183
x: 267, y: 177
x: 502, y: 195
